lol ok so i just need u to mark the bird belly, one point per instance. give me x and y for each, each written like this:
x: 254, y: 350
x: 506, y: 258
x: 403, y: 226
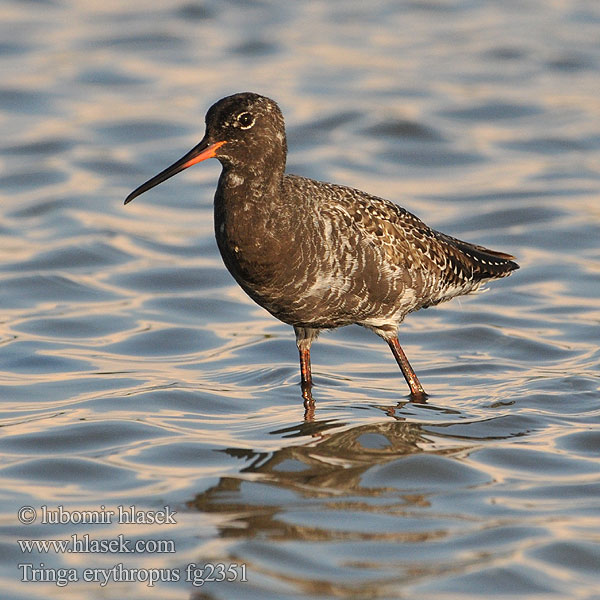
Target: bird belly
x: 329, y: 287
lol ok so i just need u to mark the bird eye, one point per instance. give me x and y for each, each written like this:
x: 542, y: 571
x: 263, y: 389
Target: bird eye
x: 246, y: 120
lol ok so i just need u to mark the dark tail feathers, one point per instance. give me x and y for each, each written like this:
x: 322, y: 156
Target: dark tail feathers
x: 485, y: 263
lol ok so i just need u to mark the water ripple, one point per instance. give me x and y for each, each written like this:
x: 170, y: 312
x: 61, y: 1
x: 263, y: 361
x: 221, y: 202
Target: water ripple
x: 133, y: 370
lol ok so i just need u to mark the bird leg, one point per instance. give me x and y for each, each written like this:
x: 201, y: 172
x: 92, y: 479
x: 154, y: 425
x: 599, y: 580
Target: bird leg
x: 416, y: 389
x: 304, y: 338
x: 305, y: 372
x: 306, y: 378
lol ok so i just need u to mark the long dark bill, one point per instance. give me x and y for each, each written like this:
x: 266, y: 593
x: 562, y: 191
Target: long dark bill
x: 197, y: 154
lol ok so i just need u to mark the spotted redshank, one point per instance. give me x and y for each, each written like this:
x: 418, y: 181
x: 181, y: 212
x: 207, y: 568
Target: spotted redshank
x: 319, y: 255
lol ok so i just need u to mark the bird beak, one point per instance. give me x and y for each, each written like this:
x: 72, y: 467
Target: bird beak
x: 202, y: 151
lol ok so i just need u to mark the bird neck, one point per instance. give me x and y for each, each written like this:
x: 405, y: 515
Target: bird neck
x: 247, y: 203
x: 247, y: 184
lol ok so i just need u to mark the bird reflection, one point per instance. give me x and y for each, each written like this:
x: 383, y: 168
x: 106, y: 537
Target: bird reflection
x: 331, y: 485
x: 332, y: 463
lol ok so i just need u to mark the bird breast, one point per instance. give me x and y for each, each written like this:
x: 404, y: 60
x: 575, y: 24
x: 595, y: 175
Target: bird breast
x: 311, y: 268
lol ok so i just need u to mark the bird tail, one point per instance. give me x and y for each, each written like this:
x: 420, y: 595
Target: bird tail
x: 485, y: 263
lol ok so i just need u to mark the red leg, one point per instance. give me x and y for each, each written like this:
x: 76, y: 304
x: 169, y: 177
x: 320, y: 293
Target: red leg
x: 305, y: 372
x: 416, y: 389
x: 304, y: 338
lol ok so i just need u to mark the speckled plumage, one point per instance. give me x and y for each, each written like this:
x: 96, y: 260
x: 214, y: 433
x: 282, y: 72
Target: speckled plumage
x: 318, y: 255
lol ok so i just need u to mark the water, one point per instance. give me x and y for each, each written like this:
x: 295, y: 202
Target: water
x: 133, y: 371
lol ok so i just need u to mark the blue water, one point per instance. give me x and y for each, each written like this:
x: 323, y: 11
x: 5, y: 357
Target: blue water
x: 134, y: 372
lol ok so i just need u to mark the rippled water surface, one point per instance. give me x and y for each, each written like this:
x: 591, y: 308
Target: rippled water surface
x: 133, y: 371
